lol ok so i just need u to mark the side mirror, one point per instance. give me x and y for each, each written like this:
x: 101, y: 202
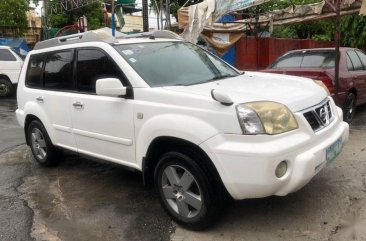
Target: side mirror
x: 110, y: 87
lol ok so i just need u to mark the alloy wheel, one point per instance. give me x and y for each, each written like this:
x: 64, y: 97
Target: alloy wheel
x: 181, y: 191
x: 38, y: 143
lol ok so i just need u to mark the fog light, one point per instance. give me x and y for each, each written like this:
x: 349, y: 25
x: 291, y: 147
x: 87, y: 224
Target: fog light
x: 281, y: 169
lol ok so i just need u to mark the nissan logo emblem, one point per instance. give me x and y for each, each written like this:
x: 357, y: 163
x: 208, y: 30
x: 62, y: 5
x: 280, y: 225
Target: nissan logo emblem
x: 324, y: 115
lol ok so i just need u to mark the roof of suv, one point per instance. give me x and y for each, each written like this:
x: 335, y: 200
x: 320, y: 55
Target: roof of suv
x: 318, y: 49
x: 102, y: 36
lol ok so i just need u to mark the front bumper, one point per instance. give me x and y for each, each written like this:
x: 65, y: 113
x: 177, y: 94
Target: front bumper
x: 247, y: 164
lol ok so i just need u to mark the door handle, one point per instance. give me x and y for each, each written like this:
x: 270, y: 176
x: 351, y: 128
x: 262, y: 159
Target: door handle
x: 78, y: 105
x: 40, y: 99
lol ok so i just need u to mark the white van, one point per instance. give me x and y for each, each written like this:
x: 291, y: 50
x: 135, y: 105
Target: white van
x: 10, y: 65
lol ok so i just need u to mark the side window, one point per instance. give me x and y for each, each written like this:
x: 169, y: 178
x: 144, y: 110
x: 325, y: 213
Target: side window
x: 355, y: 60
x: 93, y: 64
x: 349, y: 63
x: 34, y: 71
x: 362, y: 57
x: 57, y: 71
x: 6, y: 55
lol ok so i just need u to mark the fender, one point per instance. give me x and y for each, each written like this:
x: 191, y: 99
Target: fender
x: 36, y: 110
x: 185, y: 127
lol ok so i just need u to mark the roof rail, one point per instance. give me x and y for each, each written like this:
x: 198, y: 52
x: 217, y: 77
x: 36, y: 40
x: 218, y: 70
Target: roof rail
x: 89, y: 36
x: 155, y: 34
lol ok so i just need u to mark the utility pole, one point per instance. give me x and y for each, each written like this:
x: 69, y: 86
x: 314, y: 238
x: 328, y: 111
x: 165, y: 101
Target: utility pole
x: 44, y: 22
x: 336, y: 7
x: 113, y: 21
x: 145, y: 16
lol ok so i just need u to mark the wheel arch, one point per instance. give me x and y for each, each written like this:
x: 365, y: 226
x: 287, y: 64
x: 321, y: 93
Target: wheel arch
x: 28, y: 119
x: 4, y: 76
x: 164, y: 144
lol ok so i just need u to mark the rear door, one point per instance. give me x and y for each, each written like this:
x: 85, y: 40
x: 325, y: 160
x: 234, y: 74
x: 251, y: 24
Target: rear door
x: 103, y: 126
x: 49, y: 82
x: 358, y: 72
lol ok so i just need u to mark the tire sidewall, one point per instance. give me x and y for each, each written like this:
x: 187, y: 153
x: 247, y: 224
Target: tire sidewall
x: 202, y: 218
x: 9, y: 87
x: 49, y: 160
x: 350, y: 95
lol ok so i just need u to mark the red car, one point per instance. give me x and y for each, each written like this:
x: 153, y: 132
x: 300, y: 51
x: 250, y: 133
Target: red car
x: 319, y: 64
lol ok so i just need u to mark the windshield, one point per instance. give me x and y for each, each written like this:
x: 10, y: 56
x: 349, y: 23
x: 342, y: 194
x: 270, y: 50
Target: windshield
x: 174, y: 63
x: 306, y: 59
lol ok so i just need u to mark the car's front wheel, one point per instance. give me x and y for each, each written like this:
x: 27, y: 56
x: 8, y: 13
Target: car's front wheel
x: 186, y: 191
x: 41, y: 146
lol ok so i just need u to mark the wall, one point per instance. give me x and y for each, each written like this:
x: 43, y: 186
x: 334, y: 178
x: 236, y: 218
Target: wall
x: 257, y: 53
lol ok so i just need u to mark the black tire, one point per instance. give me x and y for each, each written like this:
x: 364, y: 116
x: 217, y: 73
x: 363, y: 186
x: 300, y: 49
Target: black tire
x: 41, y: 146
x: 196, y: 205
x: 6, y: 88
x: 349, y: 108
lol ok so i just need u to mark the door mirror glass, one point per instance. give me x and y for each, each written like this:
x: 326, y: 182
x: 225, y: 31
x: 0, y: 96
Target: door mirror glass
x: 110, y: 87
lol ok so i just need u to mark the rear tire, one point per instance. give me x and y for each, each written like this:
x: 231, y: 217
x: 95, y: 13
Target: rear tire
x: 349, y: 108
x: 6, y: 88
x: 41, y: 146
x: 186, y: 192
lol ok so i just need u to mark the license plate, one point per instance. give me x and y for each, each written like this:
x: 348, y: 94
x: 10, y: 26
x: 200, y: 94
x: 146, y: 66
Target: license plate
x: 333, y: 151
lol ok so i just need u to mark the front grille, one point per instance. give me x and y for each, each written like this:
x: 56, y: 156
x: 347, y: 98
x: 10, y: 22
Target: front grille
x: 319, y: 116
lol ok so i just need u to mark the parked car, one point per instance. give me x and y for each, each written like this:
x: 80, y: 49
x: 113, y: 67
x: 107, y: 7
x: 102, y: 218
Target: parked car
x: 10, y: 65
x: 319, y: 64
x: 195, y: 127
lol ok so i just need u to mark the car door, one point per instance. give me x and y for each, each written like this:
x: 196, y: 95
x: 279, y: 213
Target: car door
x: 102, y: 125
x: 49, y: 82
x: 362, y: 75
x: 358, y: 74
x: 10, y: 65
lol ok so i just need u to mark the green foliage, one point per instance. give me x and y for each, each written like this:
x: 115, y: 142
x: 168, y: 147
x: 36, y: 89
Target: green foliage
x: 353, y: 31
x: 93, y: 13
x: 13, y: 14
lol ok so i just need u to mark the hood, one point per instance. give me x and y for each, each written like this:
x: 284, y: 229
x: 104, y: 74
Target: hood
x: 296, y: 93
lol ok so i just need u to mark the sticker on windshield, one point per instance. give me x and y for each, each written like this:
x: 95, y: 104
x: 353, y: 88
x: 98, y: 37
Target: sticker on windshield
x: 141, y: 46
x: 133, y: 60
x: 127, y: 52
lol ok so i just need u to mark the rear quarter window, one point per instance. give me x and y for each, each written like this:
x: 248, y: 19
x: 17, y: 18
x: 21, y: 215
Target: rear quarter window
x: 34, y: 71
x: 6, y: 55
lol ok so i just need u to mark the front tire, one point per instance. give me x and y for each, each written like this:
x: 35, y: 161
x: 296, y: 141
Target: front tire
x: 349, y: 109
x: 186, y: 192
x: 6, y: 88
x: 41, y: 146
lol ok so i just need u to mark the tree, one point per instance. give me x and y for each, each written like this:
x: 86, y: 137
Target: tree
x: 353, y: 31
x: 13, y: 14
x: 93, y: 13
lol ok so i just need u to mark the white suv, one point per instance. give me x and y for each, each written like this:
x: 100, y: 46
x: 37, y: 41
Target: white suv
x: 194, y: 126
x: 10, y: 65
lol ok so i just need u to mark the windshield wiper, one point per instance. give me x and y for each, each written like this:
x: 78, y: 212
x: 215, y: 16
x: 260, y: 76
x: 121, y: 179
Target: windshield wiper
x: 224, y: 76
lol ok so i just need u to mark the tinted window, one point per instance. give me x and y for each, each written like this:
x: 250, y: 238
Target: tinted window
x: 57, y: 71
x: 362, y: 57
x: 92, y: 65
x: 174, y: 63
x: 34, y: 71
x: 6, y: 55
x: 306, y: 59
x: 355, y: 60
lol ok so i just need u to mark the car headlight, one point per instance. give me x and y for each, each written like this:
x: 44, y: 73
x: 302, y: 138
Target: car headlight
x: 265, y: 117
